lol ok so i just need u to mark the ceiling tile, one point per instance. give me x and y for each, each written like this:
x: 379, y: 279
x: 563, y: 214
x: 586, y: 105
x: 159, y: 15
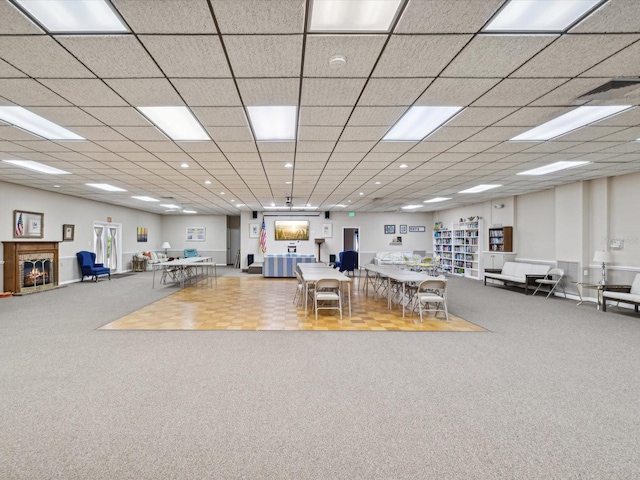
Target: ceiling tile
x: 461, y: 16
x: 269, y: 91
x: 622, y: 64
x: 418, y: 55
x: 518, y: 92
x: 376, y: 116
x: 393, y: 91
x: 259, y: 17
x: 324, y: 115
x: 496, y: 55
x: 85, y: 93
x: 146, y: 92
x: 456, y: 91
x: 264, y: 55
x: 167, y: 16
x: 27, y: 93
x: 614, y: 16
x: 111, y: 56
x: 331, y: 91
x: 361, y: 53
x: 207, y: 92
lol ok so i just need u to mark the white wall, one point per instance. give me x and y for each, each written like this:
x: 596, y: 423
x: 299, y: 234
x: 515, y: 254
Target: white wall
x: 370, y: 226
x: 62, y: 209
x: 534, y: 234
x: 174, y: 231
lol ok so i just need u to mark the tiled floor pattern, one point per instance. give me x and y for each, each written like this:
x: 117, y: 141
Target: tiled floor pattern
x: 256, y: 303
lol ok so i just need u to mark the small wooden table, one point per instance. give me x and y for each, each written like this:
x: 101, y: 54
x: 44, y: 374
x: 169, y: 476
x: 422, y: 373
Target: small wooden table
x: 139, y: 265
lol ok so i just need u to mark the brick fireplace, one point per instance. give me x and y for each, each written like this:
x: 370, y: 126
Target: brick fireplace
x: 30, y: 267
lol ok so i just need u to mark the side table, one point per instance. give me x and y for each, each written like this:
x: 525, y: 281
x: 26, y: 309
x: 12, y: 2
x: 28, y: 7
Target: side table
x: 600, y: 288
x: 138, y: 265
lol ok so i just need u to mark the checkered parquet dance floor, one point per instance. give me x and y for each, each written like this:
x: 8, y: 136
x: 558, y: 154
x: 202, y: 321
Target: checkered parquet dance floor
x: 256, y: 303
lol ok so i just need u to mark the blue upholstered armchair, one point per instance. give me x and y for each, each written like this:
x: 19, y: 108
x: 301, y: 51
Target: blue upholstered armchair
x: 347, y: 261
x: 191, y: 252
x: 89, y: 267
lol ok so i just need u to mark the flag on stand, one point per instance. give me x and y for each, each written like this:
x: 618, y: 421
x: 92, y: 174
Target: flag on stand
x: 19, y: 226
x: 263, y: 237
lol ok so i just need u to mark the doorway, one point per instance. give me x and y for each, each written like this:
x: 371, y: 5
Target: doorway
x: 351, y: 241
x: 107, y: 241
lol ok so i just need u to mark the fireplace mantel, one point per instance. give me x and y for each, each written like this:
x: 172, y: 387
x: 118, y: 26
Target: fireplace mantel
x: 13, y: 275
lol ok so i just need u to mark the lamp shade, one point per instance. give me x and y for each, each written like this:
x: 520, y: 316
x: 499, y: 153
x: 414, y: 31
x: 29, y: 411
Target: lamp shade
x: 165, y: 245
x: 601, y: 256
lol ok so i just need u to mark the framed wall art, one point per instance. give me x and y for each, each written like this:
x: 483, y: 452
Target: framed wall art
x: 142, y: 234
x: 28, y: 224
x: 254, y: 230
x: 417, y: 229
x: 403, y: 229
x: 327, y: 230
x: 196, y: 234
x: 389, y: 229
x: 68, y: 232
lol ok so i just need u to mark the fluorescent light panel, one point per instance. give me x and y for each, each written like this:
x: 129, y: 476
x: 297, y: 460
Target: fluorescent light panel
x: 37, y: 167
x: 553, y: 167
x: 418, y: 122
x: 479, y: 188
x: 176, y: 122
x: 411, y: 207
x: 437, y: 199
x: 74, y: 16
x: 274, y: 123
x: 106, y: 186
x: 29, y: 121
x: 170, y: 205
x: 353, y: 16
x: 573, y: 120
x: 144, y: 198
x: 540, y: 15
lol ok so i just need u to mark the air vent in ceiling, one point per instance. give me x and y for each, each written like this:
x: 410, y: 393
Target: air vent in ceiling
x: 616, y: 88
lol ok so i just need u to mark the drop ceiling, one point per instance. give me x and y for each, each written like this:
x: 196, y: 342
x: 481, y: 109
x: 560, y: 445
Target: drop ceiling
x: 219, y: 56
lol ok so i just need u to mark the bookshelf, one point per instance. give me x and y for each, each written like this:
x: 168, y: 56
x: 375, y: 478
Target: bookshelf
x: 501, y: 239
x: 443, y: 247
x: 460, y: 248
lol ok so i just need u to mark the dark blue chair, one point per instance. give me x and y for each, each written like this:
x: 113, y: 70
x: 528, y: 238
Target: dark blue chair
x: 89, y: 267
x: 347, y: 261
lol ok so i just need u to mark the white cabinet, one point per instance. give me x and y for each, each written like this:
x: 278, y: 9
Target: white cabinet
x: 497, y: 259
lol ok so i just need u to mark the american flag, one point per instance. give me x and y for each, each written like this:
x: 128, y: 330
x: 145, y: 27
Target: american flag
x: 19, y: 226
x: 263, y: 237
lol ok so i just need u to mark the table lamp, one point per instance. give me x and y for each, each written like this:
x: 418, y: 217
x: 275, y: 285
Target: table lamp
x: 604, y: 257
x: 166, y: 245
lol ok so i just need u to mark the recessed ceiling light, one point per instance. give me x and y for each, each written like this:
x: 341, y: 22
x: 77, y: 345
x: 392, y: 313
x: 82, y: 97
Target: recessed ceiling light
x: 105, y: 186
x: 37, y: 167
x: 540, y: 15
x: 56, y: 186
x: 377, y: 183
x: 221, y: 193
x: 570, y: 121
x: 273, y: 123
x: 207, y: 182
x: 288, y: 165
x: 288, y: 183
x: 145, y: 199
x: 189, y: 211
x: 29, y: 121
x: 479, y: 188
x: 73, y: 16
x: 361, y: 193
x: 170, y: 205
x: 418, y: 122
x: 177, y: 123
x: 184, y: 165
x: 350, y: 16
x: 339, y: 205
x: 404, y: 165
x: 239, y: 204
x: 437, y: 199
x: 553, y: 167
x: 411, y: 207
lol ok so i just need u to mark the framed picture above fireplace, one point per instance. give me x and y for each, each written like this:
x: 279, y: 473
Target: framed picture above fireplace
x: 28, y: 224
x: 67, y: 232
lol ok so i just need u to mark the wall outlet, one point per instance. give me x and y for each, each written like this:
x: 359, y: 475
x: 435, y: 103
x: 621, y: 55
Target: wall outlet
x: 585, y: 273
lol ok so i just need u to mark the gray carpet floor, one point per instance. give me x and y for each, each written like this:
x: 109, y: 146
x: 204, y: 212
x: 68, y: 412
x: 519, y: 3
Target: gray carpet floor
x: 551, y: 391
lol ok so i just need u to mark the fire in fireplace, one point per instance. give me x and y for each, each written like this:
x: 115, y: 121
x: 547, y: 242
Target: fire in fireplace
x: 36, y: 270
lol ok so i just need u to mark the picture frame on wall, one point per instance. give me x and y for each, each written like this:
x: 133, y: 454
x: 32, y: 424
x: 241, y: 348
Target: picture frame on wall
x: 417, y: 229
x: 254, y: 230
x: 68, y: 232
x: 327, y: 230
x: 403, y: 229
x: 389, y: 229
x: 196, y: 234
x: 28, y: 224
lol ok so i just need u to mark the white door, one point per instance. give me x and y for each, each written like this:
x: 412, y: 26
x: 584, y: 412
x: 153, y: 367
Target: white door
x: 107, y: 245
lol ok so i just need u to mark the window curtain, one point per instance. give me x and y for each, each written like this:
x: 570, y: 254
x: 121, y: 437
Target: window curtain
x: 99, y: 247
x: 113, y: 257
